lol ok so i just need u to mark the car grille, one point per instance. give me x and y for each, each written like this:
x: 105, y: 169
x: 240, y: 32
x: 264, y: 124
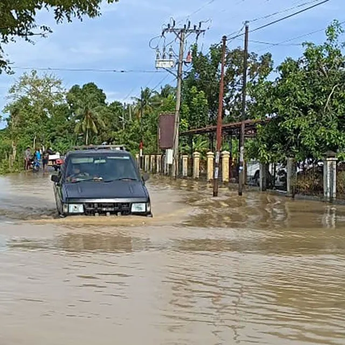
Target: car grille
x: 123, y: 208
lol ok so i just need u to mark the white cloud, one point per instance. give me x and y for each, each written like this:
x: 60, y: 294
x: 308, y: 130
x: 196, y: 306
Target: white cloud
x: 119, y: 38
x: 112, y: 95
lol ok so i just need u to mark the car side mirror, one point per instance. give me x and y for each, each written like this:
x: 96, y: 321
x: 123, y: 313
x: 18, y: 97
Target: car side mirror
x: 55, y: 178
x: 146, y: 177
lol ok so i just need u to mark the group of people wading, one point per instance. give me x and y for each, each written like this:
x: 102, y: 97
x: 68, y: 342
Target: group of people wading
x: 37, y: 159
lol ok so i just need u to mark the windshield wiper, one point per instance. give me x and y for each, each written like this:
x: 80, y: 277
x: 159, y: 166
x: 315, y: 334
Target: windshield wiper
x: 121, y: 179
x: 96, y: 179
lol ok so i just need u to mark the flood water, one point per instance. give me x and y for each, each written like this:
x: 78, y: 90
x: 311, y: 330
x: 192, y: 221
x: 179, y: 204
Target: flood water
x: 261, y: 269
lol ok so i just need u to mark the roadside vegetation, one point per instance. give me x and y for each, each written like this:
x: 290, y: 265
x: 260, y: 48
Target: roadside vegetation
x: 304, y: 100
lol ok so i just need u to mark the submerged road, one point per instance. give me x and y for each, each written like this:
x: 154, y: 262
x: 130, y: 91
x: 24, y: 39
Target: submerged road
x: 260, y: 269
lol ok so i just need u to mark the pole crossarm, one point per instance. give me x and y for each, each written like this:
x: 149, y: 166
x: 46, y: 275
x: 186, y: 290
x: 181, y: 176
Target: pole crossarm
x: 181, y: 33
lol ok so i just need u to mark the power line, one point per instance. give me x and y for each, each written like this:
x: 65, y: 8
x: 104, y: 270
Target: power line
x: 283, y: 11
x: 130, y: 92
x: 154, y: 38
x: 224, y: 10
x: 84, y: 70
x: 161, y: 82
x: 236, y: 33
x: 197, y: 10
x: 272, y: 44
x: 298, y: 37
x: 283, y: 18
x: 290, y: 15
x: 201, y: 8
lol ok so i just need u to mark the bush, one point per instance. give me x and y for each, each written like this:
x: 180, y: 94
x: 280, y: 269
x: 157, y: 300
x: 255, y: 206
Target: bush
x: 309, y: 183
x: 341, y: 183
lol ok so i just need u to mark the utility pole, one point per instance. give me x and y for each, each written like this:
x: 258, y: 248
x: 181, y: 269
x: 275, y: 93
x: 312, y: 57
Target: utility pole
x: 244, y: 93
x: 181, y: 33
x: 174, y: 171
x: 141, y: 146
x: 219, y: 120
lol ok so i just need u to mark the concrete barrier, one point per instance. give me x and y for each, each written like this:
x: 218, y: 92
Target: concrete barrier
x: 210, y: 166
x: 196, y: 165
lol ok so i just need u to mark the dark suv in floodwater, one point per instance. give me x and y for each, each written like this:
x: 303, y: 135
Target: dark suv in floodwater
x: 101, y: 180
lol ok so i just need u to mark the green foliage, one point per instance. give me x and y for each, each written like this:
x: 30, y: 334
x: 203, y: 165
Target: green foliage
x: 40, y: 113
x: 201, y: 86
x: 18, y: 18
x: 306, y: 104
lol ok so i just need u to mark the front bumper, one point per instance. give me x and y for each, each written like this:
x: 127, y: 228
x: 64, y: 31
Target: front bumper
x: 120, y: 207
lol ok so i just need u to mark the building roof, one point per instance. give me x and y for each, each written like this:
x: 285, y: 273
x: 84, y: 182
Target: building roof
x: 228, y: 128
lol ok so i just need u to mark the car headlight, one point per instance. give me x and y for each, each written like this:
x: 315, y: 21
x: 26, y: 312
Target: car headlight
x: 138, y: 207
x: 75, y: 208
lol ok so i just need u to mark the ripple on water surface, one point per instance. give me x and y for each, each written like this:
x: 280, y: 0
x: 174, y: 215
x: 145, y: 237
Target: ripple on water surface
x: 255, y: 270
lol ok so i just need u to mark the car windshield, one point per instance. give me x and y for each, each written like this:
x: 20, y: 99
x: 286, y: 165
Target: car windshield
x: 102, y: 168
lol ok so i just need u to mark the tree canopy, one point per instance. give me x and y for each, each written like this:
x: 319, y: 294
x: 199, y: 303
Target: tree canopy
x: 19, y: 18
x: 304, y: 105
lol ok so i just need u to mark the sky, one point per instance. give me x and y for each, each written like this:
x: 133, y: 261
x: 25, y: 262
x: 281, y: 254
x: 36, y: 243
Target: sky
x: 119, y: 39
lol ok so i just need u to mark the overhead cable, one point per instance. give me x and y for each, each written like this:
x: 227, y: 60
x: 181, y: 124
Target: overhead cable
x: 84, y: 70
x: 282, y: 19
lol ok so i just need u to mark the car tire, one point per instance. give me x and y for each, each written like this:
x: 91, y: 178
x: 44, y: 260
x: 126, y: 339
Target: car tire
x: 60, y: 215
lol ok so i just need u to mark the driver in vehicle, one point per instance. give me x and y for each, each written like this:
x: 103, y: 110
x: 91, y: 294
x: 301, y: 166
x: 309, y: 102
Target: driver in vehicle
x: 76, y: 173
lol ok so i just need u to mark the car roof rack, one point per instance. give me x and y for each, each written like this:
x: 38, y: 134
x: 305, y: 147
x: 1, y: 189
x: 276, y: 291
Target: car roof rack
x: 100, y: 147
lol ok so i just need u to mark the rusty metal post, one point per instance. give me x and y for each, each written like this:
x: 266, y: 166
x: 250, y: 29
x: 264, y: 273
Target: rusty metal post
x: 219, y: 120
x: 244, y: 92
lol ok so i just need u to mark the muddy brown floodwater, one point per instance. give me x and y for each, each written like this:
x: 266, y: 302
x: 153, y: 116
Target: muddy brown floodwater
x: 260, y: 269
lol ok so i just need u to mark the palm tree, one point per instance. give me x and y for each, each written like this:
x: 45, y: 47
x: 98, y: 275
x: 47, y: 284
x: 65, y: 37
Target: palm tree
x: 167, y: 91
x: 148, y: 101
x: 89, y: 121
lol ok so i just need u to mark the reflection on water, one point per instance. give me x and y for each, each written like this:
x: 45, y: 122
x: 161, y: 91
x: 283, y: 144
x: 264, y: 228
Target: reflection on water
x: 79, y: 243
x: 260, y: 269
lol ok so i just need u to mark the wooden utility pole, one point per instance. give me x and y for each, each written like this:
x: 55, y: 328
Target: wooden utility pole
x: 219, y: 120
x: 181, y: 34
x: 244, y: 93
x: 141, y: 145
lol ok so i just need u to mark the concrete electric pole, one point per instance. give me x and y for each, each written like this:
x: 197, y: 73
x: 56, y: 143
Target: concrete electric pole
x: 244, y: 93
x: 181, y: 33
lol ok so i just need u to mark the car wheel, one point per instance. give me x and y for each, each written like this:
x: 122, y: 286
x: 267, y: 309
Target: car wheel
x: 60, y: 214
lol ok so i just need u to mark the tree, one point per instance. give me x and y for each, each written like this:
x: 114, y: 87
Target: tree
x: 32, y: 100
x: 89, y: 122
x: 88, y: 106
x: 43, y: 93
x: 306, y: 104
x: 18, y: 18
x: 195, y: 108
x: 148, y: 100
x: 89, y: 94
x: 205, y: 77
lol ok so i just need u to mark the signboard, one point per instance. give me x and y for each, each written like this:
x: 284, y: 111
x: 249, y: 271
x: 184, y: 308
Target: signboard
x: 166, y: 125
x: 169, y: 155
